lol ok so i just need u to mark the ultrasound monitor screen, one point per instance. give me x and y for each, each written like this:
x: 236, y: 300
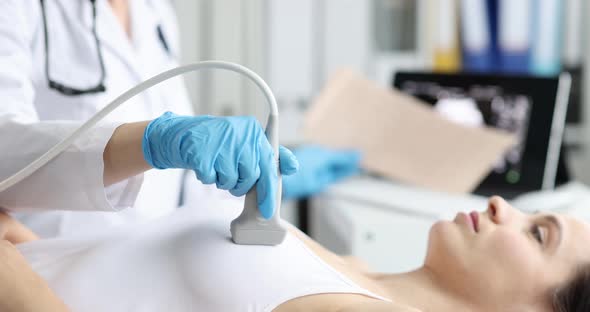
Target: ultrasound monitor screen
x: 481, y: 105
x: 520, y: 105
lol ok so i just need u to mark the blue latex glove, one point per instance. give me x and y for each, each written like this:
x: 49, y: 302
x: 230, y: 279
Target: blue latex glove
x: 319, y: 167
x: 231, y: 152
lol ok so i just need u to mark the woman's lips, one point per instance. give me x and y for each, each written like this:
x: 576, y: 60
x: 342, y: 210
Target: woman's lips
x: 465, y: 219
x: 474, y: 216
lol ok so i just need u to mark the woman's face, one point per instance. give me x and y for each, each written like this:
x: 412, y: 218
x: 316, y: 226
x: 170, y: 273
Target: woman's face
x: 503, y: 258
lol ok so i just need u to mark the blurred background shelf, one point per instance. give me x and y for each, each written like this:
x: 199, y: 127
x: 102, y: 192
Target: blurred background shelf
x: 296, y: 45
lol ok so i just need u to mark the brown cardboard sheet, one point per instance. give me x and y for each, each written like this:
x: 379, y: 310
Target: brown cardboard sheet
x: 401, y: 137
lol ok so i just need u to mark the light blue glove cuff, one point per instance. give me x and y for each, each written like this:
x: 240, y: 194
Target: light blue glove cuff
x: 150, y: 151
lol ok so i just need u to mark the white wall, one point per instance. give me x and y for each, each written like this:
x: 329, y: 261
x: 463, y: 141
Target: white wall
x: 347, y: 37
x: 191, y: 29
x: 231, y: 30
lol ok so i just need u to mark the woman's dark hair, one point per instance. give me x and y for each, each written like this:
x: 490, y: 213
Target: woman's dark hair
x: 575, y: 295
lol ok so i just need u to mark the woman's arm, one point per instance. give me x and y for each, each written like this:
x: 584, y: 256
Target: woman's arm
x: 14, y: 231
x: 21, y: 289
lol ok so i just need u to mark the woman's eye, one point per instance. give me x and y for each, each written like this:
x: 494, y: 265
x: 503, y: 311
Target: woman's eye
x: 538, y: 233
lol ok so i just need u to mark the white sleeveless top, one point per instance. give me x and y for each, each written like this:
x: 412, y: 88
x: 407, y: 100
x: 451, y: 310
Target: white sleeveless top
x: 185, y: 262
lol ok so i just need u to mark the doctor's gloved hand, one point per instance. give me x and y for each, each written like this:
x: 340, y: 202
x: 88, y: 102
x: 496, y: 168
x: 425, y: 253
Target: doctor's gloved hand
x: 319, y: 167
x: 232, y: 152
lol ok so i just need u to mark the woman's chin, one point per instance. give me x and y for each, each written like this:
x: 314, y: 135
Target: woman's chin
x: 445, y: 240
x: 441, y: 228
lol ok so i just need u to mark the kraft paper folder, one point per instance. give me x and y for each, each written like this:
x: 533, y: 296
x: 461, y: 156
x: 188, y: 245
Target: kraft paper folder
x: 401, y: 137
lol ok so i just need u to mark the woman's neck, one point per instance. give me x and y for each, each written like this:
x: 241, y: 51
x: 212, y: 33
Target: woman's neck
x: 421, y: 289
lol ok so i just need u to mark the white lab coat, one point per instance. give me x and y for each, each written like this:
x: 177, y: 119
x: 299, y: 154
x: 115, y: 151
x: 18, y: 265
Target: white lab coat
x: 33, y: 117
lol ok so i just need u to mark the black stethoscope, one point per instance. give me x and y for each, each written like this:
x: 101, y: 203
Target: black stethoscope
x: 100, y: 87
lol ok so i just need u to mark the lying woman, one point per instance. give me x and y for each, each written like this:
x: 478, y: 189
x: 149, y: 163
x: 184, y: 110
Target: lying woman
x: 498, y: 260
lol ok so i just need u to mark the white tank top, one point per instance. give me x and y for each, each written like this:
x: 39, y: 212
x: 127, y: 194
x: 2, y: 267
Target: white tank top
x: 185, y: 262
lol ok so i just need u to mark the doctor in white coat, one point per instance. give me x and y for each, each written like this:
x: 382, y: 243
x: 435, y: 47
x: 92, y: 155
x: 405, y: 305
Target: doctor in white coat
x: 63, y: 60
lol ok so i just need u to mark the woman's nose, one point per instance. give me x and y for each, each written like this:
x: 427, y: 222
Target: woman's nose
x: 498, y: 209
